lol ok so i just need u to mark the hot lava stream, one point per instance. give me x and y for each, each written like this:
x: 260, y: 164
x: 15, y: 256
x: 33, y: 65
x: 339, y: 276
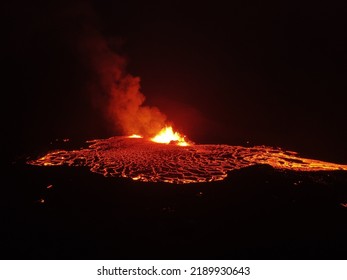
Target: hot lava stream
x: 173, y: 160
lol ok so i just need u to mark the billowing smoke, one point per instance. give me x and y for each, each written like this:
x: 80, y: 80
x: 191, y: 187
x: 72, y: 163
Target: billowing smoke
x: 126, y: 108
x: 123, y: 101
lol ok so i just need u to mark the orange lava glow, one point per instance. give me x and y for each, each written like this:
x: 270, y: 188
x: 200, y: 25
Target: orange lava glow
x: 147, y: 161
x: 167, y: 136
x: 135, y: 136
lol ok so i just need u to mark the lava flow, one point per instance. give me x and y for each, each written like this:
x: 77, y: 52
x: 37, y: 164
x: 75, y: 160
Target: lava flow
x: 146, y: 160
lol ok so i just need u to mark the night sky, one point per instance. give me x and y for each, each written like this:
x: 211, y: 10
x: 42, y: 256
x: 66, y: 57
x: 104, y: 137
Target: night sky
x: 272, y: 74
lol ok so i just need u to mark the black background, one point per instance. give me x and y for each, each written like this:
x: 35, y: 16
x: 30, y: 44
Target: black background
x: 271, y: 74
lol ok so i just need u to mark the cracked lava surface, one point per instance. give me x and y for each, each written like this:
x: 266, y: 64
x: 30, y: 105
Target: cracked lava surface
x: 147, y: 161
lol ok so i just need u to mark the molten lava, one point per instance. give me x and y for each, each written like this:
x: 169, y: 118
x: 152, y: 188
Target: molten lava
x: 135, y: 136
x: 167, y: 136
x: 147, y: 161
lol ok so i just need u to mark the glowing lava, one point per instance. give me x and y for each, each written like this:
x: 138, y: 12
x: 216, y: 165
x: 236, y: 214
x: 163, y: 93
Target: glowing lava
x: 167, y: 136
x: 135, y: 136
x: 147, y: 161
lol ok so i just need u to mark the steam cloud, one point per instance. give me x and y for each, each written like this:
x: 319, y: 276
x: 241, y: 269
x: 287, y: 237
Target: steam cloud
x: 125, y: 102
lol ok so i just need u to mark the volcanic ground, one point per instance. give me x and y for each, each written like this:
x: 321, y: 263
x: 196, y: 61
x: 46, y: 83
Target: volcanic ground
x: 240, y: 203
x: 143, y: 160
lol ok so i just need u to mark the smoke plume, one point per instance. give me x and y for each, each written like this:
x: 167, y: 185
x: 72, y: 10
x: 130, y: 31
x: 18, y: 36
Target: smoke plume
x: 123, y: 101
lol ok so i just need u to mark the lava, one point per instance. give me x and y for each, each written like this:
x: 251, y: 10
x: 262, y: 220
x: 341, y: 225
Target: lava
x: 144, y: 160
x: 167, y: 136
x: 135, y: 136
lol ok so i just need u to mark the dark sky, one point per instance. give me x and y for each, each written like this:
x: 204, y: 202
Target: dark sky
x: 272, y: 74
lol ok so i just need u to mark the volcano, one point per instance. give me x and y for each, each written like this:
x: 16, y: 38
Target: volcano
x: 145, y: 160
x: 149, y: 200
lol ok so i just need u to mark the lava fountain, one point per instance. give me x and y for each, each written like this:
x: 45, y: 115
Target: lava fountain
x: 169, y: 157
x: 167, y: 136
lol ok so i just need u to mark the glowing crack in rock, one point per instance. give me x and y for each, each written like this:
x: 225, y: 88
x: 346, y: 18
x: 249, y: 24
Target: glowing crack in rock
x: 147, y: 161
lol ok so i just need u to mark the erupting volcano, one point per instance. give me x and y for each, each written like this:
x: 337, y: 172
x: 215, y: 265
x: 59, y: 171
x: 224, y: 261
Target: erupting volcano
x: 175, y: 161
x: 154, y: 152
